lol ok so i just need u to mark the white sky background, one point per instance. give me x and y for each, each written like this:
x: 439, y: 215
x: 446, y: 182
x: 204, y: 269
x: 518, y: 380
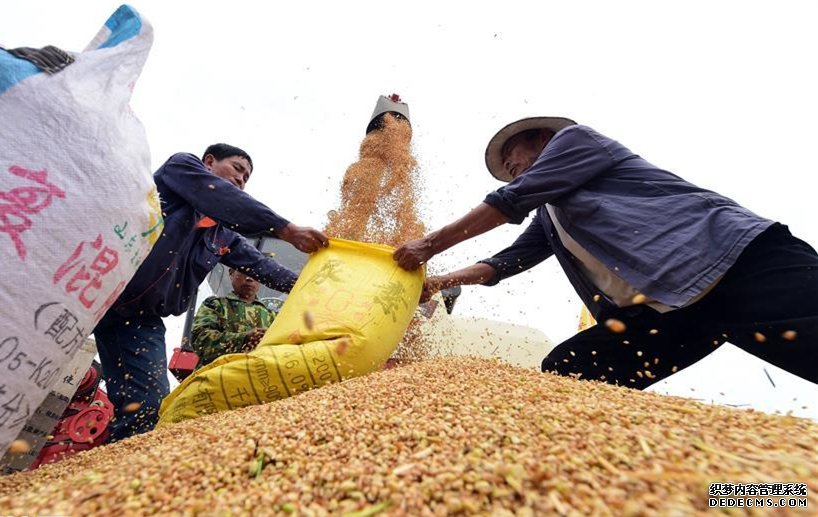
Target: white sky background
x: 721, y: 93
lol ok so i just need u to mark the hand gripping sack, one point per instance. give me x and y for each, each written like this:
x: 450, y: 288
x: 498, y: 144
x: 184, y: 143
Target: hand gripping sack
x: 345, y: 316
x: 78, y: 207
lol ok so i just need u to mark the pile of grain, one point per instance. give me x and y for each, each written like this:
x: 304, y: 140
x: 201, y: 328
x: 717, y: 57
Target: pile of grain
x: 433, y: 438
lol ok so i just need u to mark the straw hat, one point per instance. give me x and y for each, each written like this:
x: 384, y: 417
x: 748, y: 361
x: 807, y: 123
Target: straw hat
x: 494, y: 151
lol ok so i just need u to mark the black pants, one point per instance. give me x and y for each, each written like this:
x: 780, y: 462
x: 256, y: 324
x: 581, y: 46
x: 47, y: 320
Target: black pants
x: 766, y: 304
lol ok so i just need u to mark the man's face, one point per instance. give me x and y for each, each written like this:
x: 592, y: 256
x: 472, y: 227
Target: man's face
x: 244, y: 286
x: 520, y: 153
x: 234, y: 169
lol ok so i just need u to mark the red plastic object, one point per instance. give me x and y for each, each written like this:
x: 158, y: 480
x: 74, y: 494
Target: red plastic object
x: 182, y: 363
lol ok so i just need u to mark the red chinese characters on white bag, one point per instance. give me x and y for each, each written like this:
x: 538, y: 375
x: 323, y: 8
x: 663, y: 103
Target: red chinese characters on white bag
x: 78, y: 207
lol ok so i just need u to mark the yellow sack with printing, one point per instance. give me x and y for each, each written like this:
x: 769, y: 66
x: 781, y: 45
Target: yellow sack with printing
x: 344, y: 317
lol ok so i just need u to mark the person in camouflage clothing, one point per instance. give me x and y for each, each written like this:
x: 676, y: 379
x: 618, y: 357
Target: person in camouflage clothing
x: 230, y: 324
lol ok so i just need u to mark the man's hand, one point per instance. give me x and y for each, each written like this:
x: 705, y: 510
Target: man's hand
x: 414, y: 254
x: 304, y: 238
x: 252, y: 339
x: 432, y: 285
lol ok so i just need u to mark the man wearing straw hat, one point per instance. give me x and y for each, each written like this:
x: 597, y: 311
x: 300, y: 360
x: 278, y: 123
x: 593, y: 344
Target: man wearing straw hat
x: 672, y: 269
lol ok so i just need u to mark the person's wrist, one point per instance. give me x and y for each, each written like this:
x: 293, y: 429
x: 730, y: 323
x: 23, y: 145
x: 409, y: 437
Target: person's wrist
x: 444, y: 282
x: 431, y: 243
x: 286, y: 231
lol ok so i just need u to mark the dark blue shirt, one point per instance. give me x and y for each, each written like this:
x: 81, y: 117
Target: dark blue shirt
x: 666, y: 237
x: 184, y: 254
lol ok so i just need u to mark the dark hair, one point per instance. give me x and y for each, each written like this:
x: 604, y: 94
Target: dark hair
x: 222, y: 151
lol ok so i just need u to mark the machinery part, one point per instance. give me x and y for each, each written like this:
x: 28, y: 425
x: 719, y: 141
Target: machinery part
x: 391, y: 104
x: 82, y: 426
x: 89, y: 425
x: 182, y: 363
x: 450, y: 295
x: 90, y: 382
x: 184, y: 360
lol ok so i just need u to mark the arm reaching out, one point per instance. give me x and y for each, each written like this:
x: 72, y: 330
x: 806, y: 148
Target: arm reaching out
x: 250, y: 261
x: 528, y: 250
x: 475, y: 274
x: 217, y: 198
x: 415, y: 253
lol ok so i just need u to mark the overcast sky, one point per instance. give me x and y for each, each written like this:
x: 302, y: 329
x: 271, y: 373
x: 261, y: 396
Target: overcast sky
x: 721, y: 93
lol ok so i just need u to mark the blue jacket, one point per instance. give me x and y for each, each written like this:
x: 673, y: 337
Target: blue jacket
x: 666, y: 237
x: 184, y: 254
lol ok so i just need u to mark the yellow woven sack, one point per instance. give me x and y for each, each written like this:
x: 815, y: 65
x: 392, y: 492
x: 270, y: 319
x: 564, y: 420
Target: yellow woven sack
x: 344, y: 317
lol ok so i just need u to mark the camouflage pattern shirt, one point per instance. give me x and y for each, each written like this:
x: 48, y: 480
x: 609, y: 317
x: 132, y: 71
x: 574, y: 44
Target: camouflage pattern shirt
x: 221, y: 324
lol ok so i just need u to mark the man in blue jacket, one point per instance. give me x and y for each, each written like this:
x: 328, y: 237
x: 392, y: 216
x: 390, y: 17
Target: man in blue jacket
x: 673, y: 270
x: 205, y: 210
